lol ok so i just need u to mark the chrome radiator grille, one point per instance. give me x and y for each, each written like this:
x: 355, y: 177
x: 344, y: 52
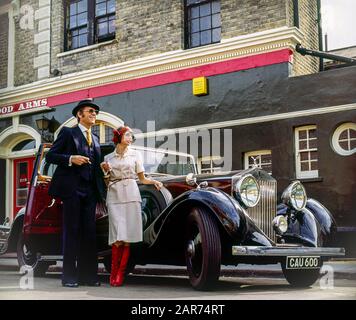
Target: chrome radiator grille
x: 266, y: 209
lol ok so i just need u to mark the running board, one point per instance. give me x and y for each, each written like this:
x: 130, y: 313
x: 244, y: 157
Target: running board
x: 286, y: 251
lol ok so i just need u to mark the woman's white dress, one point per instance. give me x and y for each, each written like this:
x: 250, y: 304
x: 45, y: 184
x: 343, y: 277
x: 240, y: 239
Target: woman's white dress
x: 123, y: 197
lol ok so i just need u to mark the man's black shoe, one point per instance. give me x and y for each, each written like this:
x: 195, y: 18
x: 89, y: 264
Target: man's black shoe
x: 70, y: 284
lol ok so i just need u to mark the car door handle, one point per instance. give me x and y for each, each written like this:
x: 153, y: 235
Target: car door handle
x: 52, y: 203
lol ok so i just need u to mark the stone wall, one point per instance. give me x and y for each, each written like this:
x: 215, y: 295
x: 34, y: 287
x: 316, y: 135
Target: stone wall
x: 4, y: 42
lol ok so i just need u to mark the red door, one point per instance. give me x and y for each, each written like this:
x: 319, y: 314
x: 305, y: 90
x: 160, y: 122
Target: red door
x: 22, y: 177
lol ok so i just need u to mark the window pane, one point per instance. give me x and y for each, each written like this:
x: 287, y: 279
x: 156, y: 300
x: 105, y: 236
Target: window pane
x: 313, y: 155
x: 112, y: 26
x: 304, y: 156
x: 111, y: 6
x: 205, y: 23
x: 216, y: 35
x: 344, y: 135
x: 100, y: 9
x: 353, y: 144
x: 215, y: 6
x: 216, y: 20
x: 73, y: 9
x: 74, y: 43
x: 96, y: 130
x: 304, y: 166
x: 83, y: 30
x: 314, y: 165
x: 194, y: 25
x: 205, y: 9
x: 108, y: 134
x: 195, y: 38
x: 302, y: 134
x: 344, y: 145
x: 205, y: 37
x: 82, y: 19
x: 312, y: 133
x: 83, y: 40
x: 194, y: 12
x: 102, y: 29
x: 312, y: 143
x: 302, y: 145
x: 352, y: 134
x: 25, y: 145
x: 73, y: 22
x: 82, y: 6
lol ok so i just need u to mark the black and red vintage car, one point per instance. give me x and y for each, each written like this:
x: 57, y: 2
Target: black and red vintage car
x: 202, y: 221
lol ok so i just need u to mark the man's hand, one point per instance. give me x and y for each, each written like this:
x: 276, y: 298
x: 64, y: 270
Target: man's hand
x: 80, y: 160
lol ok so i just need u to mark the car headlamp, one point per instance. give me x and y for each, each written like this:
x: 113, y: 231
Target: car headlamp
x: 280, y: 224
x: 295, y: 196
x: 247, y: 190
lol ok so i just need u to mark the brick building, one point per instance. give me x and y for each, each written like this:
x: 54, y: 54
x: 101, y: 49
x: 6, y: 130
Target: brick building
x: 138, y: 58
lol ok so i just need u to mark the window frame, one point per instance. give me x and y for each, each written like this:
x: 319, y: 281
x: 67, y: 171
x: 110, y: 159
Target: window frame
x: 187, y: 34
x: 257, y: 153
x: 336, y: 137
x: 92, y: 36
x: 310, y: 174
x: 102, y: 134
x: 212, y: 168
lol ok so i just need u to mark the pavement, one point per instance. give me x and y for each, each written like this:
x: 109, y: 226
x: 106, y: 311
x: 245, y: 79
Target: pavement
x: 342, y: 269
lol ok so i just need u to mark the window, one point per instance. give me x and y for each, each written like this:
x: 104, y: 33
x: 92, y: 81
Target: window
x: 89, y: 22
x: 260, y: 158
x: 103, y: 131
x: 202, y: 23
x: 306, y: 152
x: 210, y: 164
x: 344, y: 139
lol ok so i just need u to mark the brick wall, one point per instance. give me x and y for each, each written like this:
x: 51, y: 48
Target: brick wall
x: 308, y: 14
x: 149, y: 27
x: 25, y: 49
x: 4, y: 37
x: 240, y: 17
x: 143, y: 28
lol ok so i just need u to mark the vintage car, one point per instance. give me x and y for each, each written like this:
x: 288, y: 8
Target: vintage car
x: 202, y: 221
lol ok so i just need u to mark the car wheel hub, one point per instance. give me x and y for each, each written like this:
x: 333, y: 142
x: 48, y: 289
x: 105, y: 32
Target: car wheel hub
x: 191, y: 249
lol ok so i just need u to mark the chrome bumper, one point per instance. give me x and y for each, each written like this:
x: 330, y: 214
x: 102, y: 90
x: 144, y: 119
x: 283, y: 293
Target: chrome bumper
x: 286, y: 251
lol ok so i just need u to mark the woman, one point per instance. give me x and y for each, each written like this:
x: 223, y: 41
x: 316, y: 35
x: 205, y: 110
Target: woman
x: 123, y: 200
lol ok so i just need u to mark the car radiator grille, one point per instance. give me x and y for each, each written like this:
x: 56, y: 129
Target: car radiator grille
x: 266, y: 209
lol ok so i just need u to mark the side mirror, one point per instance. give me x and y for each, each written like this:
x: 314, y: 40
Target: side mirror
x: 190, y: 179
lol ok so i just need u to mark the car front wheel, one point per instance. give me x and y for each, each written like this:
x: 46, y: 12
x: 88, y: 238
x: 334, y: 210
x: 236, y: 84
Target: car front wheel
x: 203, y: 249
x: 301, y: 278
x: 27, y: 258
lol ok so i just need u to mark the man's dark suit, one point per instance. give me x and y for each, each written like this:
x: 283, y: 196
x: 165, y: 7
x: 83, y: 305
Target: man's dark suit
x: 80, y: 188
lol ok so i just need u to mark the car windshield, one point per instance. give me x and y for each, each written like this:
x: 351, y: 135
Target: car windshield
x: 155, y: 161
x: 166, y: 162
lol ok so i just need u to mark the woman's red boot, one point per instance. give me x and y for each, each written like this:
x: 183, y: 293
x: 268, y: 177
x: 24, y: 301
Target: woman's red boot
x: 116, y: 253
x: 122, y: 267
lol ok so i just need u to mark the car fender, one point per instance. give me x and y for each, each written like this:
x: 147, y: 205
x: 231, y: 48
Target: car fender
x: 325, y: 219
x: 231, y: 217
x: 314, y: 224
x: 15, y: 230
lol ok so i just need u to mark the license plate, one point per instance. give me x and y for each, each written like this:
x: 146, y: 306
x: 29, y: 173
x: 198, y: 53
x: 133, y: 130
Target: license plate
x: 303, y: 262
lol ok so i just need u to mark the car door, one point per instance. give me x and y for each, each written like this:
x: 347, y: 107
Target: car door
x: 43, y: 213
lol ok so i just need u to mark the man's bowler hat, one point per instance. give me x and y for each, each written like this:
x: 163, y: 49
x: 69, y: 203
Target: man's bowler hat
x: 85, y: 103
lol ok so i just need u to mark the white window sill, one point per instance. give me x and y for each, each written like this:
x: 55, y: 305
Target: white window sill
x: 87, y: 48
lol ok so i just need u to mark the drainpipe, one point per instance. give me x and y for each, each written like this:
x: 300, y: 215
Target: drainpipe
x: 296, y: 13
x: 320, y: 35
x: 321, y: 54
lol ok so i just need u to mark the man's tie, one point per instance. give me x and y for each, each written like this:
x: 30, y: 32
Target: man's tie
x: 89, y: 139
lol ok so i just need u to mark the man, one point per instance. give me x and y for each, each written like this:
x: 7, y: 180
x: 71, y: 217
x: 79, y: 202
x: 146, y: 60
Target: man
x: 78, y: 182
